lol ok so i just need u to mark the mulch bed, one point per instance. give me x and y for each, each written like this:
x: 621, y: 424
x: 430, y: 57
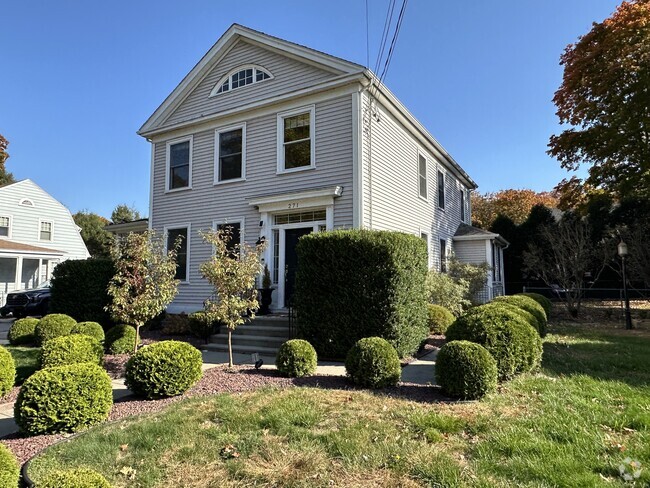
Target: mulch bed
x: 11, y: 395
x: 223, y: 380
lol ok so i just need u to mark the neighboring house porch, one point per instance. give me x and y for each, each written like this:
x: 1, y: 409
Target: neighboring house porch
x: 23, y: 266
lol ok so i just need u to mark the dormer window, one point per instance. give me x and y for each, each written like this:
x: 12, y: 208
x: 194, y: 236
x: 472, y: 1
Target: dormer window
x: 242, y: 76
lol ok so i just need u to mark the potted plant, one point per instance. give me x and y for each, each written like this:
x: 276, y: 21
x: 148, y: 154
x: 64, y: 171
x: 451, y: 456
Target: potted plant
x: 265, y: 292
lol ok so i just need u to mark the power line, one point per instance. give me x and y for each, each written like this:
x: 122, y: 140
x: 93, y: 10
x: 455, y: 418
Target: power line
x: 393, y: 42
x: 384, y: 36
x: 367, y: 38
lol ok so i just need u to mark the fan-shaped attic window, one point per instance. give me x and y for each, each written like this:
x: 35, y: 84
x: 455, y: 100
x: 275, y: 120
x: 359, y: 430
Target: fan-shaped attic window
x: 239, y: 77
x: 26, y: 202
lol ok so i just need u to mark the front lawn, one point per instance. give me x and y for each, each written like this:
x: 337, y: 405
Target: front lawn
x: 26, y: 359
x: 570, y: 425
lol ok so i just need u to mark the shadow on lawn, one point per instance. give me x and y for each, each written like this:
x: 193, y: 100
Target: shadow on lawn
x: 613, y: 355
x: 406, y: 391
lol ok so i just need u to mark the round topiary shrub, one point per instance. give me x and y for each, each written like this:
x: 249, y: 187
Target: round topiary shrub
x: 120, y: 339
x: 7, y: 371
x: 465, y: 370
x: 53, y: 325
x: 74, y: 478
x: 372, y: 362
x: 9, y: 469
x: 530, y: 306
x: 164, y: 369
x: 71, y: 349
x: 90, y: 329
x: 511, y: 341
x: 527, y: 316
x: 546, y: 304
x: 439, y: 318
x: 22, y: 332
x: 64, y: 399
x: 296, y: 358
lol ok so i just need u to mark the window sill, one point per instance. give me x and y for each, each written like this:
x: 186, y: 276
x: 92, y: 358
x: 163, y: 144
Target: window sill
x: 176, y: 190
x: 183, y: 282
x: 296, y: 170
x: 228, y: 182
x: 423, y: 199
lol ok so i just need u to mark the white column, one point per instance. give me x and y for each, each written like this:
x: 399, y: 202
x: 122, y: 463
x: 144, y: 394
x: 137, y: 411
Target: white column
x: 329, y: 217
x: 19, y: 272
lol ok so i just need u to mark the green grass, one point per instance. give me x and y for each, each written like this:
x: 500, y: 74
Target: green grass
x: 569, y: 425
x: 26, y: 359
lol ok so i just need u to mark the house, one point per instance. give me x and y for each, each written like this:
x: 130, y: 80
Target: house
x: 125, y: 228
x: 277, y: 140
x: 36, y: 233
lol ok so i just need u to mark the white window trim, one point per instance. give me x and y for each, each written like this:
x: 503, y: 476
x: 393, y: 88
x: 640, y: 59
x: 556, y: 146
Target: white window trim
x: 11, y: 226
x: 168, y: 161
x: 217, y: 149
x: 234, y: 220
x: 227, y: 76
x: 426, y: 175
x: 312, y: 135
x: 27, y: 202
x: 166, y: 230
x: 40, y: 223
x: 423, y: 233
x: 444, y: 187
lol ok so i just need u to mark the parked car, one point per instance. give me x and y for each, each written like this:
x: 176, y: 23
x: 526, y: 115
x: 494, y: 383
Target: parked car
x: 28, y: 302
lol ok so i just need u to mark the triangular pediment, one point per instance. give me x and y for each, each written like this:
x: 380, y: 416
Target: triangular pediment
x: 292, y: 67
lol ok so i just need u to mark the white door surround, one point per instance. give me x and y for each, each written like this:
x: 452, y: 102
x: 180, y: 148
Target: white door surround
x: 305, y: 210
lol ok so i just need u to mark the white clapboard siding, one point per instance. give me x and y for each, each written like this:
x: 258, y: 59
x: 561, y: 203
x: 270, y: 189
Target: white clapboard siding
x: 206, y: 202
x: 25, y: 219
x: 390, y: 176
x: 288, y: 75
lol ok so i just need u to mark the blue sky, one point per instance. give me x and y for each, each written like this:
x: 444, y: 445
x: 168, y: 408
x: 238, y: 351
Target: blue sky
x: 79, y: 78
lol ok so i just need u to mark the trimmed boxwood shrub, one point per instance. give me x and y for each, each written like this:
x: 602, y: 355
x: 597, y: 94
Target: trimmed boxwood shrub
x: 512, y: 342
x: 352, y: 284
x: 90, y: 329
x: 79, y: 289
x: 64, y: 399
x: 164, y: 369
x: 71, y: 349
x: 201, y: 325
x: 529, y: 305
x: 9, y: 469
x: 22, y: 332
x: 465, y: 370
x: 527, y: 316
x: 74, y: 478
x: 439, y: 318
x: 53, y: 325
x: 296, y: 358
x: 120, y: 339
x: 546, y: 304
x: 7, y: 371
x: 372, y: 362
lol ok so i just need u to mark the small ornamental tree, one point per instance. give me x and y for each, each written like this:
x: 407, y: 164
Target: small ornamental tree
x: 232, y: 271
x: 144, y: 282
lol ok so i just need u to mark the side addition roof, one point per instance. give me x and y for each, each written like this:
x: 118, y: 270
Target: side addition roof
x: 467, y: 232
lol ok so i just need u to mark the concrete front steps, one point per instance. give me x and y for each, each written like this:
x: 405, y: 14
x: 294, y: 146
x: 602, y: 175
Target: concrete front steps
x: 264, y: 335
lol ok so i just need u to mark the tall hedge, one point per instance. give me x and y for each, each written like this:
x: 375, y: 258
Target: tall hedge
x: 353, y: 284
x: 79, y: 289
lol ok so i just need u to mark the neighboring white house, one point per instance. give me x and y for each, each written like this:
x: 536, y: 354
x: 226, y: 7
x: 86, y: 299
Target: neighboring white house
x: 278, y: 140
x: 36, y: 233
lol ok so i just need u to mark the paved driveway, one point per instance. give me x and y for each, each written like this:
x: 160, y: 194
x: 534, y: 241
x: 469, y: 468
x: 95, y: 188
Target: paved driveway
x: 4, y: 328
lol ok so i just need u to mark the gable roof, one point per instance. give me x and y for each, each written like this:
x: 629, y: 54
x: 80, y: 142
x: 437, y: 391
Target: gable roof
x: 223, y: 46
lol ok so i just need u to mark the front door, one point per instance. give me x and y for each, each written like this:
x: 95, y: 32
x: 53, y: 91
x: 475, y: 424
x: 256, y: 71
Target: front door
x: 291, y: 237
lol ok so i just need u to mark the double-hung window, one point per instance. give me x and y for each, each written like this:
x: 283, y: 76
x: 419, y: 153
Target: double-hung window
x: 296, y: 140
x: 233, y: 232
x: 422, y: 176
x: 45, y: 231
x: 462, y: 205
x: 179, y: 164
x: 230, y: 164
x: 179, y: 235
x: 443, y: 256
x: 5, y: 226
x: 441, y: 190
